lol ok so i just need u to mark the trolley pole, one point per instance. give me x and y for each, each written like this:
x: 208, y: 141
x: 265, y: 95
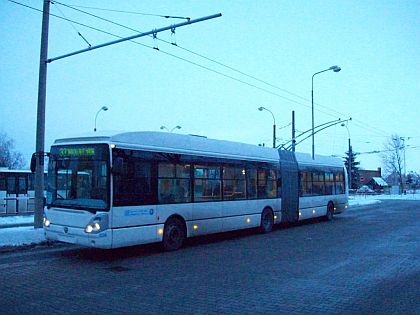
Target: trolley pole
x: 40, y: 125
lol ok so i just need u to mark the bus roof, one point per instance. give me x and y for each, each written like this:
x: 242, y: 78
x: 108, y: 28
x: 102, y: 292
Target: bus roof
x: 179, y: 143
x: 322, y: 160
x: 192, y: 144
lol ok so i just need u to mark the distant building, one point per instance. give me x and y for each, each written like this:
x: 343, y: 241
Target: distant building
x: 367, y: 175
x: 373, y: 179
x: 377, y: 184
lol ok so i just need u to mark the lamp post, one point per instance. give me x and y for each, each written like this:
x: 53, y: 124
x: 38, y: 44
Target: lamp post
x: 274, y: 123
x: 103, y: 108
x: 172, y: 130
x: 335, y: 69
x: 350, y: 154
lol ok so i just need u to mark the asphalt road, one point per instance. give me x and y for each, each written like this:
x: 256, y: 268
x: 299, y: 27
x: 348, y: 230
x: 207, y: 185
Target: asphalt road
x: 367, y: 261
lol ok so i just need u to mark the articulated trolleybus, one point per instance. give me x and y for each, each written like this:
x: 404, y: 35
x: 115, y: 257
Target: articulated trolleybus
x: 115, y: 190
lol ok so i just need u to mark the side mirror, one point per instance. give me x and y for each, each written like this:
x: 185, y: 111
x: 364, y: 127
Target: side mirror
x: 33, y: 163
x: 118, y: 166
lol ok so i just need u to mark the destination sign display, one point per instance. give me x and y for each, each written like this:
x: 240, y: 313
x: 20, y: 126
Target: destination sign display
x: 81, y: 151
x: 84, y: 151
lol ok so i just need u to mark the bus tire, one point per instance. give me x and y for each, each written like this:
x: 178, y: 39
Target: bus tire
x: 173, y: 235
x: 330, y: 212
x: 267, y: 221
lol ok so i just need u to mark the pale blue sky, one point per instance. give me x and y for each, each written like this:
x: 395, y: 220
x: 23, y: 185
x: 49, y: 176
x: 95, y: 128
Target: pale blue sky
x: 376, y: 43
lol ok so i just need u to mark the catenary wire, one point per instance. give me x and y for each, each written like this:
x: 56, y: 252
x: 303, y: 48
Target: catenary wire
x: 361, y: 125
x: 356, y: 121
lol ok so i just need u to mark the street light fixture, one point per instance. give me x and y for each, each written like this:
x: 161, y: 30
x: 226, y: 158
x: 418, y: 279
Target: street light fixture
x: 103, y: 108
x: 335, y: 69
x: 274, y: 123
x: 172, y: 130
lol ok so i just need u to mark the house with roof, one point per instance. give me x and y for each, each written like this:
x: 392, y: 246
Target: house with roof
x: 377, y: 184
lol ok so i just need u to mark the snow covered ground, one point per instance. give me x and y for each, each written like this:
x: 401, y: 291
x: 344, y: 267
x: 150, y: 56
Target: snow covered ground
x: 26, y: 235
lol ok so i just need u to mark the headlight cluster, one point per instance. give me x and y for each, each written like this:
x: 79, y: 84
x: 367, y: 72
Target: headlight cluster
x: 98, y: 224
x: 46, y: 222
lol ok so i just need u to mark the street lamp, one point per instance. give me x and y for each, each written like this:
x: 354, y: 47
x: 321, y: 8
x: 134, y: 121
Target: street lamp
x: 103, y: 108
x: 172, y: 130
x: 274, y: 123
x: 350, y: 153
x: 335, y: 69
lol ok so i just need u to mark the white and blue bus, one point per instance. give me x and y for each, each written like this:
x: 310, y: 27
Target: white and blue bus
x: 122, y: 189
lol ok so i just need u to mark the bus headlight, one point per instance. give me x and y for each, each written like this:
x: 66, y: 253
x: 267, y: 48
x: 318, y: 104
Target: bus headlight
x: 98, y: 224
x: 46, y: 222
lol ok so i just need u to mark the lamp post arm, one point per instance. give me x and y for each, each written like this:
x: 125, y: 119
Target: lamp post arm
x: 96, y: 116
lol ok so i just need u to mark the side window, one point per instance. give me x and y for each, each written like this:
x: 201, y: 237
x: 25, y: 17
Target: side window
x: 174, y: 184
x: 207, y: 183
x: 31, y: 181
x: 252, y: 183
x: 234, y: 183
x: 267, y: 183
x: 11, y: 185
x: 134, y: 185
x: 2, y: 182
x: 305, y: 184
x: 22, y: 185
x: 329, y: 183
x: 318, y: 183
x: 339, y: 183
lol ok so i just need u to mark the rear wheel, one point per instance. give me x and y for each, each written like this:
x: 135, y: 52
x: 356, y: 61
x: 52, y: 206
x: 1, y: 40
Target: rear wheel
x: 330, y: 212
x: 173, y: 235
x: 267, y: 221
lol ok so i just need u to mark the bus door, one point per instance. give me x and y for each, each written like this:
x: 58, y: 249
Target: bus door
x: 207, y: 208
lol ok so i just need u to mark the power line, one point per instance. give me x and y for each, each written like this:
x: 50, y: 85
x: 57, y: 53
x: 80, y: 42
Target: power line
x: 132, y: 12
x: 72, y: 21
x: 361, y: 124
x: 207, y: 58
x: 72, y: 25
x: 356, y: 121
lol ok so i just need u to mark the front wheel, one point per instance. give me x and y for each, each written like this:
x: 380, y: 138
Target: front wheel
x: 267, y: 221
x: 330, y: 212
x: 173, y: 235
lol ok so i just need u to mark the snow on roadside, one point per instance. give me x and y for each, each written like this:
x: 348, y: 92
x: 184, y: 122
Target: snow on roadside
x: 23, y: 235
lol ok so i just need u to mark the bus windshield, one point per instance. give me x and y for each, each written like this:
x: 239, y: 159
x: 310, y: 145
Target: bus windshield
x: 78, y: 177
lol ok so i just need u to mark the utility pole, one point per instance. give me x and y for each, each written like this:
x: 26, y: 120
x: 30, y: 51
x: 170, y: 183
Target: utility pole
x: 274, y: 136
x: 42, y: 92
x: 293, y: 132
x: 40, y: 125
x: 350, y: 162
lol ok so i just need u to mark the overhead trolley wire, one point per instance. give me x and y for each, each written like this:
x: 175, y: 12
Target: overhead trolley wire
x: 131, y: 12
x: 356, y: 121
x: 363, y: 126
x: 204, y: 57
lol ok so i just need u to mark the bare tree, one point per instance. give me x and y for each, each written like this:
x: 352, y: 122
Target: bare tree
x: 8, y: 157
x: 393, y: 158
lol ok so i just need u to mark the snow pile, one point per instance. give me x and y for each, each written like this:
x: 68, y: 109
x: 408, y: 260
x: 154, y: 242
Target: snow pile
x: 18, y: 236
